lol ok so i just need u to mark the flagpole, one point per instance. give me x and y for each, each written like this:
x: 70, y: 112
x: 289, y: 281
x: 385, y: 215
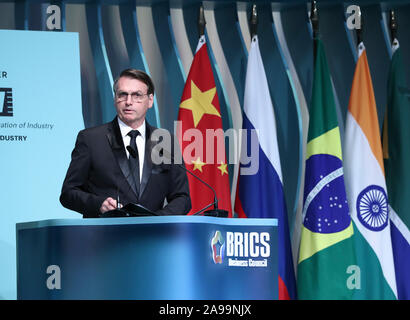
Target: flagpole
x: 201, y: 21
x: 359, y: 31
x: 393, y: 25
x: 314, y: 19
x: 253, y: 21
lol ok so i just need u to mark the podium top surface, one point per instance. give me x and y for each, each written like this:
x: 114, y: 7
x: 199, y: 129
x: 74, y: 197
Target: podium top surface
x: 146, y: 220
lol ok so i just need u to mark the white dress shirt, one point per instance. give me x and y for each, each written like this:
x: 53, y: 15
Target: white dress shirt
x: 140, y: 140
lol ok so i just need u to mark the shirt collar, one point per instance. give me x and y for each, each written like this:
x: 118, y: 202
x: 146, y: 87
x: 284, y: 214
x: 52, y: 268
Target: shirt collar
x: 125, y: 129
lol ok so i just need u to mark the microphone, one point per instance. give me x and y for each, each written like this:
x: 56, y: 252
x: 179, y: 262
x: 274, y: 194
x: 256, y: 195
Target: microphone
x: 130, y: 209
x: 118, y: 210
x: 215, y: 212
x: 134, y: 155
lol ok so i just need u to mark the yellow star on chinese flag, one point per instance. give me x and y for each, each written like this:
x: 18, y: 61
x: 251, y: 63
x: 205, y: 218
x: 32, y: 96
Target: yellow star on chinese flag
x: 198, y: 164
x: 222, y: 167
x: 200, y: 103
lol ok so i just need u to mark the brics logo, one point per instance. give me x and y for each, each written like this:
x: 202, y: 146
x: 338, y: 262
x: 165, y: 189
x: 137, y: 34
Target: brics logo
x: 217, y: 244
x: 243, y: 249
x: 6, y: 100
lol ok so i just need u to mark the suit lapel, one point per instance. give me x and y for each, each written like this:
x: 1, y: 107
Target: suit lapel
x: 117, y: 145
x: 147, y: 169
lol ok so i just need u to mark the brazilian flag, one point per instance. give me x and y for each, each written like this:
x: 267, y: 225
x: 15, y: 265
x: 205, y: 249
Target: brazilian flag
x: 326, y: 255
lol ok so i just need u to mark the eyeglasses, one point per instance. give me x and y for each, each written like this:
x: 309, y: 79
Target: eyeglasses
x: 135, y: 96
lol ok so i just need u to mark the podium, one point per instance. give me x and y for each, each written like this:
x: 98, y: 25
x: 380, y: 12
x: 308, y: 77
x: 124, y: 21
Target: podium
x: 148, y: 258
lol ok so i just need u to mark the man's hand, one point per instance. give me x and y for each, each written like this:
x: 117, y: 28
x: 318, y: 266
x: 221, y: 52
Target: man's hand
x: 109, y: 204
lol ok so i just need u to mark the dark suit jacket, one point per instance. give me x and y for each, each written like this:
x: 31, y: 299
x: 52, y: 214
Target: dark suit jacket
x: 99, y: 169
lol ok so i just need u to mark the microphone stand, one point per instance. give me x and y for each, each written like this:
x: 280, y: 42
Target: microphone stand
x: 215, y: 212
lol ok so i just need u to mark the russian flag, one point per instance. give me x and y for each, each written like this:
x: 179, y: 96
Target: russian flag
x: 260, y: 190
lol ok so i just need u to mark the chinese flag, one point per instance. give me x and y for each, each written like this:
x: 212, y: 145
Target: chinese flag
x: 200, y: 135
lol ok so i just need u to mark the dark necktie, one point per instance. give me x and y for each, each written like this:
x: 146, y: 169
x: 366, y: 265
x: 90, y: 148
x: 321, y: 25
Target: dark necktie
x: 134, y: 161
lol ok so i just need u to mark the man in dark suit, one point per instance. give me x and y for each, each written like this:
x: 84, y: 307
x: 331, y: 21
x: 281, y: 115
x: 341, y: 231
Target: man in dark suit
x: 114, y: 160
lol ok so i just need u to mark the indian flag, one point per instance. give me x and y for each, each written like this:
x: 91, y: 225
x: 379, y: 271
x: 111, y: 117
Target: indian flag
x: 366, y: 189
